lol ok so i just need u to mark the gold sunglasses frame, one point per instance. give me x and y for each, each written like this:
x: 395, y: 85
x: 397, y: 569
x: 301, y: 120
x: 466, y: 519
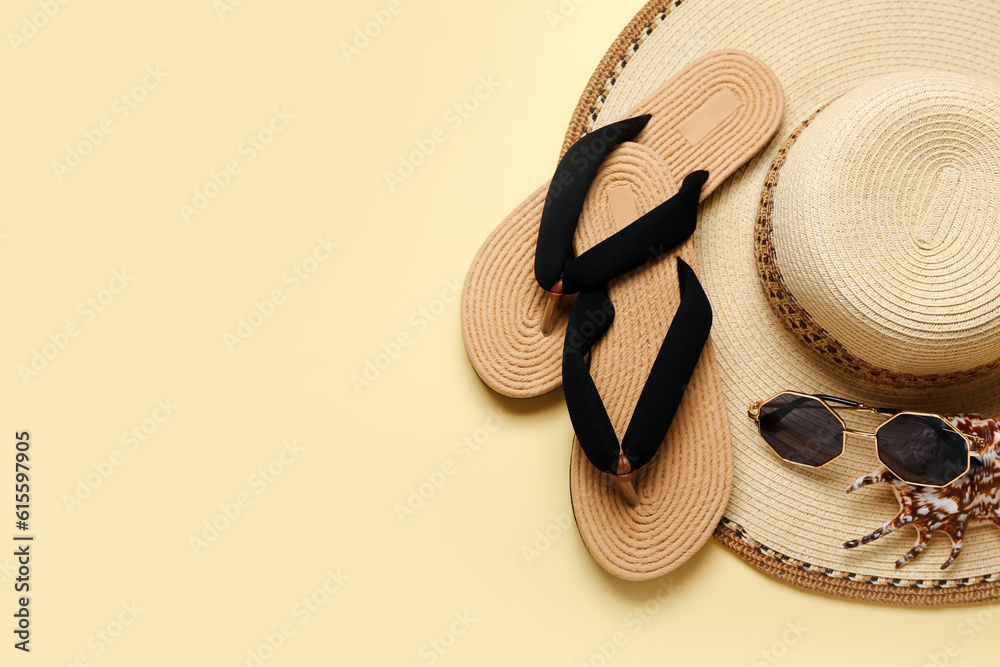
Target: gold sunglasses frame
x: 975, y: 446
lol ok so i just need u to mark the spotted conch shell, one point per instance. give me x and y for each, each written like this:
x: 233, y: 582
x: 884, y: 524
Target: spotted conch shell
x: 973, y: 498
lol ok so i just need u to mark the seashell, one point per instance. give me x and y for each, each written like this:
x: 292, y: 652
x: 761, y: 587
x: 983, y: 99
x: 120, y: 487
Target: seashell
x: 971, y: 499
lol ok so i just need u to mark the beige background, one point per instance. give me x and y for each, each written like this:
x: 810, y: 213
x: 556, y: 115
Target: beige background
x: 254, y: 364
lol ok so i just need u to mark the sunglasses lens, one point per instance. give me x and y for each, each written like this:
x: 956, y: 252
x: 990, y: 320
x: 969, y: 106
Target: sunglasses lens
x: 801, y: 429
x: 922, y: 450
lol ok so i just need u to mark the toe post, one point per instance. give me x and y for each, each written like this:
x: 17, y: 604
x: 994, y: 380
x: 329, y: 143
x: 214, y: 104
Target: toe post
x: 555, y: 295
x: 624, y: 479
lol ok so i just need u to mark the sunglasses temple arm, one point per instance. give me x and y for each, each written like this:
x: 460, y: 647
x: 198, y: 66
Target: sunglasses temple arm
x: 856, y: 405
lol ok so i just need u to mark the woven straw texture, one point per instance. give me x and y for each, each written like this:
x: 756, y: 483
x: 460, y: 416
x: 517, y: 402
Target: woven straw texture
x: 792, y: 522
x: 936, y: 316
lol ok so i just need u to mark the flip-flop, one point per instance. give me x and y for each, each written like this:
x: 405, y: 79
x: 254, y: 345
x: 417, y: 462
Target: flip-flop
x: 713, y: 116
x: 651, y: 467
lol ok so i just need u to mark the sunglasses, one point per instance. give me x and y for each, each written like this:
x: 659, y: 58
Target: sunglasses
x: 919, y: 448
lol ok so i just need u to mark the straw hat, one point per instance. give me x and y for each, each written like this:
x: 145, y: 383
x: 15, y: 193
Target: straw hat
x: 858, y: 256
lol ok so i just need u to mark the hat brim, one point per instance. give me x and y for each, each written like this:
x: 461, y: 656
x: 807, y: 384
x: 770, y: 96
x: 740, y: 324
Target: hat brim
x: 788, y: 521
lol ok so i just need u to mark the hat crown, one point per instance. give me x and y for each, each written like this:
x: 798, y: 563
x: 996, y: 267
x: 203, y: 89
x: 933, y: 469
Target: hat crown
x: 886, y: 222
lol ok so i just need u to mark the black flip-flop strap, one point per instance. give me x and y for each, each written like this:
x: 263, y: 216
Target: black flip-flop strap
x: 652, y: 235
x: 567, y: 193
x: 661, y: 396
